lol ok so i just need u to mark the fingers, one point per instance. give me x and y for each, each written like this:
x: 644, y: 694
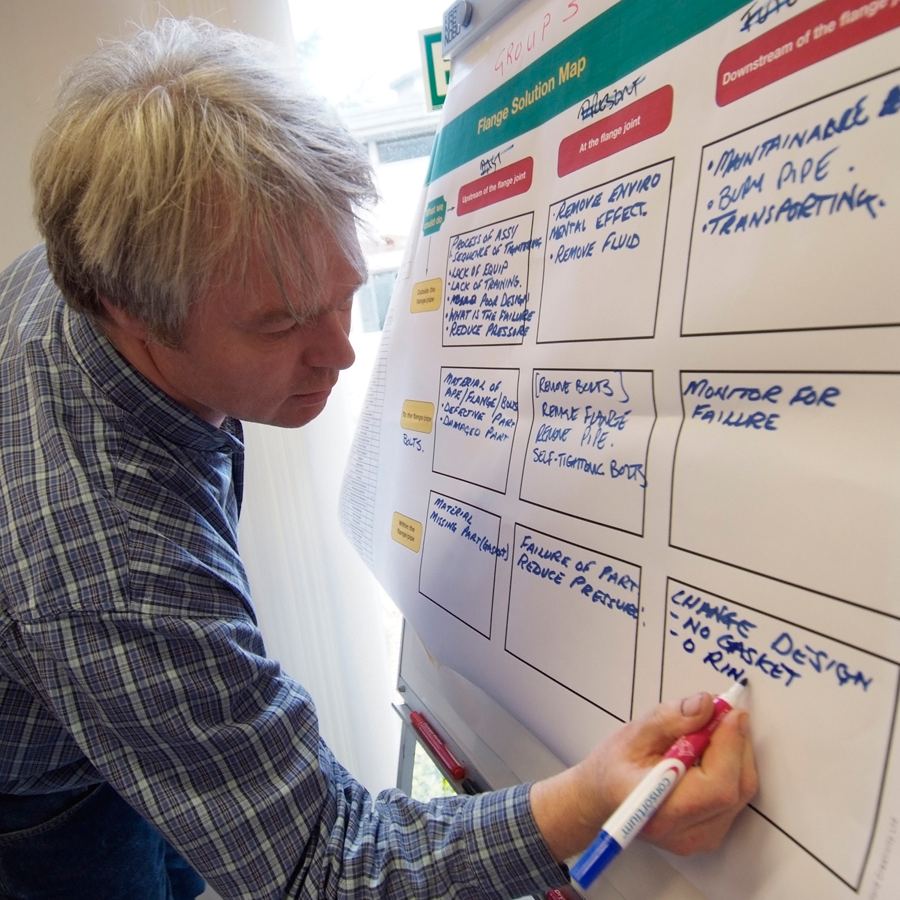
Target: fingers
x: 750, y: 779
x: 653, y: 734
x: 702, y: 808
x: 571, y: 807
x: 621, y: 761
x: 749, y: 775
x: 729, y: 757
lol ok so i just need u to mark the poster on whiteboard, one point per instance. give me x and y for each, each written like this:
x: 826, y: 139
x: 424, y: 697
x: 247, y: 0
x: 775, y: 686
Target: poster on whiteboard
x: 634, y: 428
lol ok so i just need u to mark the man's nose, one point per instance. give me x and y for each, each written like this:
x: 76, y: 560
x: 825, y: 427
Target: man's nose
x: 332, y: 348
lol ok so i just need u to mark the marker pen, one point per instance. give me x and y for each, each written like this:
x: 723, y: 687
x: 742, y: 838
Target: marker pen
x: 625, y: 823
x: 436, y: 745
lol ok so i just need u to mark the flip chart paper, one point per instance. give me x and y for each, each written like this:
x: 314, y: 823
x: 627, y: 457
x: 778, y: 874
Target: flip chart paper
x: 655, y: 340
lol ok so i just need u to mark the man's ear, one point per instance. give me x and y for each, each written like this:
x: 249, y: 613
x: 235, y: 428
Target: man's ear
x: 122, y: 321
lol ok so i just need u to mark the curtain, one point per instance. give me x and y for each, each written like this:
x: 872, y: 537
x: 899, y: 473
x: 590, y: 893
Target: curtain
x: 318, y: 605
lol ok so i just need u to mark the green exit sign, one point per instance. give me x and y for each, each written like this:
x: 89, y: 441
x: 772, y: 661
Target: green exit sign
x: 435, y: 69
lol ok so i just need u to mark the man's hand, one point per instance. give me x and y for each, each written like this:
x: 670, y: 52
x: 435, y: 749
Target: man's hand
x: 571, y: 807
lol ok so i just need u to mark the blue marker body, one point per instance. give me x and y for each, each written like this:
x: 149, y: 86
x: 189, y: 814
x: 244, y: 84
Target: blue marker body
x: 595, y: 859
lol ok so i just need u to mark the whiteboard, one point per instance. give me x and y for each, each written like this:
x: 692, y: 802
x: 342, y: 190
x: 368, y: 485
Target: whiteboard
x: 634, y: 428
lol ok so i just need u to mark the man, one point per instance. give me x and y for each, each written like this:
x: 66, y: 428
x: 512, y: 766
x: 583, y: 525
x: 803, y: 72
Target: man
x: 198, y: 212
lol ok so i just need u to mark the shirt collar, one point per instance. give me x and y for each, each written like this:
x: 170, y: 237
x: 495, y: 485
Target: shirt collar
x: 140, y: 398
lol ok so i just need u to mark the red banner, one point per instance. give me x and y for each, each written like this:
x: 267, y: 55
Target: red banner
x: 645, y: 118
x: 814, y: 35
x: 500, y: 185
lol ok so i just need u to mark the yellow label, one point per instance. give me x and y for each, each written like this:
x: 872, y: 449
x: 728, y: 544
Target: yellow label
x: 407, y: 531
x: 426, y: 296
x: 417, y: 415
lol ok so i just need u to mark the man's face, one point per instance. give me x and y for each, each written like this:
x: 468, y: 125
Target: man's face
x: 243, y: 355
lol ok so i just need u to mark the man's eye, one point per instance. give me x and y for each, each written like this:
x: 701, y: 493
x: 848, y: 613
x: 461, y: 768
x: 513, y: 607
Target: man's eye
x: 282, y: 332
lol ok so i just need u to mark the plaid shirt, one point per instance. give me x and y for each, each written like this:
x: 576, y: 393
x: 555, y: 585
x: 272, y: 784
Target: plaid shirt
x: 129, y: 651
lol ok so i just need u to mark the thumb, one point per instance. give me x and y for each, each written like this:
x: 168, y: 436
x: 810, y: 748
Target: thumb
x: 660, y: 728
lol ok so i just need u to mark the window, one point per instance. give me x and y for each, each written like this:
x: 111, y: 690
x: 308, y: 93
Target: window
x: 397, y: 149
x: 372, y: 74
x: 373, y: 299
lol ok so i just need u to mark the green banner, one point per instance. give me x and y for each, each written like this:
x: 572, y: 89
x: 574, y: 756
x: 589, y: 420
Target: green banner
x: 610, y: 46
x: 435, y: 213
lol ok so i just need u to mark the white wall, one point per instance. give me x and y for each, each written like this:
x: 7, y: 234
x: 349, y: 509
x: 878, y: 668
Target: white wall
x: 40, y: 38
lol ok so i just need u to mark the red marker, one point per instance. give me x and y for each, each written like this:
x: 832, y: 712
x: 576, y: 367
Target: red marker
x: 436, y: 746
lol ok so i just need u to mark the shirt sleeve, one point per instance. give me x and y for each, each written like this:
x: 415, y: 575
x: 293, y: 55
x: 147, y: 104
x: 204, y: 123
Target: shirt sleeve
x: 209, y: 740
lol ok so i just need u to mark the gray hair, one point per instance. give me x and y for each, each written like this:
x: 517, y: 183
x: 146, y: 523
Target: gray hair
x: 175, y: 153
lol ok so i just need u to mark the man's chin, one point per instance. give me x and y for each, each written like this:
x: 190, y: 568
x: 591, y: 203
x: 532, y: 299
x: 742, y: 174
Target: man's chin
x: 290, y: 416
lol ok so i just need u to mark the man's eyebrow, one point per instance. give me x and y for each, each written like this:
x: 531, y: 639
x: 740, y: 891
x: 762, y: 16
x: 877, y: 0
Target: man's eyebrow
x: 277, y: 316
x: 353, y: 288
x: 274, y: 317
x: 356, y: 284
